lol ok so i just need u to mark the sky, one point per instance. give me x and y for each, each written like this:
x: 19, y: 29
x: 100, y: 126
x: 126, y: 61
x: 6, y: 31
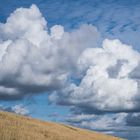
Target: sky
x: 75, y: 62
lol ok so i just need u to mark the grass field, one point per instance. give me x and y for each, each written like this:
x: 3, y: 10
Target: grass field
x: 15, y: 127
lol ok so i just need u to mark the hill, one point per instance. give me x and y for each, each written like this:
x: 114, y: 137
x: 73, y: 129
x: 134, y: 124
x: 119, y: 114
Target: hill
x: 16, y: 127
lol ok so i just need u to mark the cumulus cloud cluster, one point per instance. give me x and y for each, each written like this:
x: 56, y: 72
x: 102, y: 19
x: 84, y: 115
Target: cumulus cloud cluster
x: 36, y: 59
x: 107, y: 81
x: 72, y: 66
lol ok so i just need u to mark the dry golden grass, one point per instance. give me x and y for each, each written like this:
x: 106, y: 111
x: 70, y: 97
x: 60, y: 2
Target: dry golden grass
x: 15, y: 127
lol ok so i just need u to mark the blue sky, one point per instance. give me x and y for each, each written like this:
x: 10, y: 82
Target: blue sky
x: 113, y: 20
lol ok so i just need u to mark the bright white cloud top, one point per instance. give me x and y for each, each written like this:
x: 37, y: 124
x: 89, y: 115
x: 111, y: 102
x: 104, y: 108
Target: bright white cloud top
x: 35, y: 59
x: 107, y: 83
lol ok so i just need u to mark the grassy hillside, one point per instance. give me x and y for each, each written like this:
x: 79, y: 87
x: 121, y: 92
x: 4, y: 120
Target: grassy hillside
x: 15, y: 127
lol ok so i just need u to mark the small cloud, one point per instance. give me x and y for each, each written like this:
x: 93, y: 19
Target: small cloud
x: 18, y: 109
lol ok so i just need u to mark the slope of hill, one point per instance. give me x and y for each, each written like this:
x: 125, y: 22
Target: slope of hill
x: 15, y: 127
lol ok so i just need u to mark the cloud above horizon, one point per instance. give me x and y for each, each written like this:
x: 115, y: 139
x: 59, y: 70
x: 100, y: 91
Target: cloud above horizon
x: 35, y: 59
x: 18, y: 109
x: 107, y: 81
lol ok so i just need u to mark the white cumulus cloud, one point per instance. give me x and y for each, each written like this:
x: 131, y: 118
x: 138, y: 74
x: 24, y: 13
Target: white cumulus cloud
x: 34, y: 59
x: 105, y: 84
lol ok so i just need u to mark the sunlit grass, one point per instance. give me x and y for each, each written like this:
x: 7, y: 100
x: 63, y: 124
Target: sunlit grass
x: 15, y: 127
